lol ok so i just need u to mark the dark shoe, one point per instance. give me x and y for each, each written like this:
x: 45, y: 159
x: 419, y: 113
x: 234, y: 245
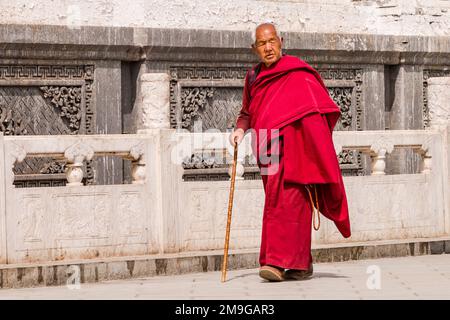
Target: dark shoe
x: 271, y: 273
x: 293, y: 274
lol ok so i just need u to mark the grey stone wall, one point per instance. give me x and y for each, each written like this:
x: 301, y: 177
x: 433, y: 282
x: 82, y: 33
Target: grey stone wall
x: 378, y: 80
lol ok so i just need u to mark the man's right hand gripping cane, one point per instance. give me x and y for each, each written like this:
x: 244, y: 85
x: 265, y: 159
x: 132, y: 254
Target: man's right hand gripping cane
x: 237, y: 136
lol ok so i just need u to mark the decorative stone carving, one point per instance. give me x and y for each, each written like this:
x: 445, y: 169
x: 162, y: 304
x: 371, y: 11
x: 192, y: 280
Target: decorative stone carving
x: 54, y: 167
x: 346, y: 157
x: 33, y: 219
x: 132, y: 215
x: 343, y: 98
x: 17, y: 153
x: 28, y: 100
x: 76, y: 154
x: 337, y: 148
x: 72, y: 222
x: 424, y: 152
x: 199, y: 161
x: 154, y: 102
x: 430, y: 73
x: 214, y: 96
x: 79, y: 152
x: 138, y: 171
x: 348, y: 98
x: 438, y: 102
x: 225, y: 82
x: 68, y: 101
x: 193, y: 100
x: 382, y: 143
x: 137, y: 151
x: 39, y: 183
x: 43, y: 73
x: 11, y: 124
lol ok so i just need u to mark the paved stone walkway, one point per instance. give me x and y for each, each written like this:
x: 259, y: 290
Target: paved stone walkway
x: 420, y: 277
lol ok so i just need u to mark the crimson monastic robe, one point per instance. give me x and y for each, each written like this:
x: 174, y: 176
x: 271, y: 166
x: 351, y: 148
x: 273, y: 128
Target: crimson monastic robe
x: 292, y: 116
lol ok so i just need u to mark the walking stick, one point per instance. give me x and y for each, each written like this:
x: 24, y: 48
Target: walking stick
x: 230, y: 206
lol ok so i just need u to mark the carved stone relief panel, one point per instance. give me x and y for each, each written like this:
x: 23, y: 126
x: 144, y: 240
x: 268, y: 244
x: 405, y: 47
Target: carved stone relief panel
x: 77, y: 223
x: 429, y: 73
x: 210, y: 94
x: 32, y: 219
x: 198, y: 224
x: 72, y: 225
x: 206, y: 216
x: 345, y: 87
x: 202, y: 98
x: 132, y: 214
x: 43, y: 100
x: 392, y: 218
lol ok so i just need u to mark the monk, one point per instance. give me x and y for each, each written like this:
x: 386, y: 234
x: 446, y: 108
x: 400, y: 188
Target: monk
x: 291, y: 116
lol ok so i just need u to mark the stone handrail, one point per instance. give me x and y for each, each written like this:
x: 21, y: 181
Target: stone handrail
x: 380, y: 143
x: 377, y: 144
x: 76, y: 149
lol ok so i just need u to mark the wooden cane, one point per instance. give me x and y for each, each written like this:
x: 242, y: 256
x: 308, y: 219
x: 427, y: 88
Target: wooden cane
x: 230, y: 207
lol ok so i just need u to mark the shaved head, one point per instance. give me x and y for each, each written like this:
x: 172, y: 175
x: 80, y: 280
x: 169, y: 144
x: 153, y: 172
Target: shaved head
x: 267, y: 43
x: 265, y: 25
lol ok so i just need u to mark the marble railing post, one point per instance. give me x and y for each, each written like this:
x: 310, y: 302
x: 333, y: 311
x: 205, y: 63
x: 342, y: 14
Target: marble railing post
x: 378, y: 151
x: 75, y: 155
x: 153, y: 103
x: 439, y: 109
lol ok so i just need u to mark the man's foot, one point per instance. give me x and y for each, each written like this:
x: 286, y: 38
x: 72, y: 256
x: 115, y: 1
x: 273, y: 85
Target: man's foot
x: 271, y: 273
x: 294, y: 274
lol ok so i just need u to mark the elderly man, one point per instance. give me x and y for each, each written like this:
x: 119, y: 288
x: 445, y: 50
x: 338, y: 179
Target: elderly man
x: 291, y: 116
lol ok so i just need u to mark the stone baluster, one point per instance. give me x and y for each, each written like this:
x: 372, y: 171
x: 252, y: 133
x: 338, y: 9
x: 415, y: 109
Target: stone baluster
x: 424, y: 152
x: 138, y: 170
x: 378, y: 152
x: 75, y: 156
x: 379, y: 162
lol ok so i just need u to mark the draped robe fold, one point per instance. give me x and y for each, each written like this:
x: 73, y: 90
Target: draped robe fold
x: 292, y: 117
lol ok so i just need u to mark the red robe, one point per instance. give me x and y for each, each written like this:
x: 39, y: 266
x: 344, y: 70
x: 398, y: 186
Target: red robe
x: 292, y: 116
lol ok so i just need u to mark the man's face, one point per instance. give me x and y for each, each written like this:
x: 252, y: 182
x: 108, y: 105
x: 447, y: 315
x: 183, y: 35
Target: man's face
x: 267, y: 45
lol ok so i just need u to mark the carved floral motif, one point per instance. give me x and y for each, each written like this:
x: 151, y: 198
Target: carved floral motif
x: 343, y: 98
x: 68, y: 101
x: 193, y: 100
x: 11, y: 124
x: 54, y: 167
x: 198, y: 161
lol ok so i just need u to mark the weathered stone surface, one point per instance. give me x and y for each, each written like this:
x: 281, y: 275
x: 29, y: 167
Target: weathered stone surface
x: 439, y: 101
x: 168, y: 44
x: 153, y: 102
x: 341, y: 16
x: 98, y: 270
x: 167, y: 214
